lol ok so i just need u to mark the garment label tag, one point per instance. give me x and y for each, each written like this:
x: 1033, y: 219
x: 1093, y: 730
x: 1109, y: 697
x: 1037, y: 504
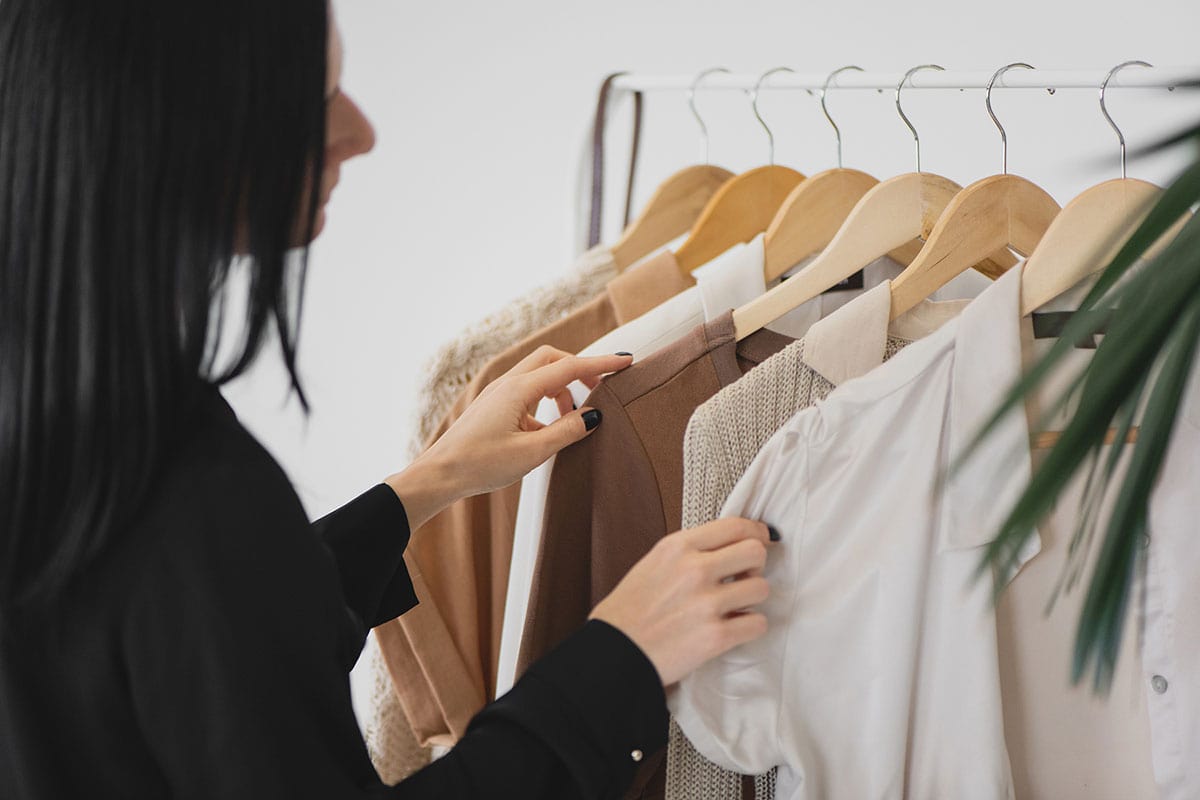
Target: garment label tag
x: 855, y: 281
x: 1050, y: 325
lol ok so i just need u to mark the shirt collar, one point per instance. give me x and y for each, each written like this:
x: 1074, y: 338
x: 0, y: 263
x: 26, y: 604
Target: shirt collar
x: 852, y: 340
x: 646, y: 285
x: 986, y: 363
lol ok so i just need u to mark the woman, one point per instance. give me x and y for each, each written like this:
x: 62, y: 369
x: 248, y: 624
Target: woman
x: 169, y: 623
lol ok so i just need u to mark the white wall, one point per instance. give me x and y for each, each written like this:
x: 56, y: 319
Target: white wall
x: 482, y: 109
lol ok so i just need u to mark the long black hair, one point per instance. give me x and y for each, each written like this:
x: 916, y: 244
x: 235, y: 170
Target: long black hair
x: 144, y: 146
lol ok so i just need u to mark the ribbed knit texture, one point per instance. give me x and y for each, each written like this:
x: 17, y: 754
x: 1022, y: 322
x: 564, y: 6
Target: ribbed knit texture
x: 394, y: 748
x: 723, y: 437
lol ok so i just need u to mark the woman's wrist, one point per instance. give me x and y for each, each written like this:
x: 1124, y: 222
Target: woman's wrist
x: 425, y: 487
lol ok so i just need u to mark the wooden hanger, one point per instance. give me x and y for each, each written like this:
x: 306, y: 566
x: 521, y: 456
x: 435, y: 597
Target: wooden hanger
x: 671, y: 212
x: 1084, y: 237
x: 888, y: 218
x: 1090, y: 230
x: 742, y: 208
x: 1002, y: 211
x: 812, y: 214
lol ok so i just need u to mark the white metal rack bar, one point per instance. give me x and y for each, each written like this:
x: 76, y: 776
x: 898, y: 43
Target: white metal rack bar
x: 1133, y: 77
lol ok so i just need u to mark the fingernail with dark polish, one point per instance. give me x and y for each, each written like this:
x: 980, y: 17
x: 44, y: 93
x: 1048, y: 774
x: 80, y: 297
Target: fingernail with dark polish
x: 591, y: 418
x: 573, y: 406
x: 773, y: 534
x: 627, y: 355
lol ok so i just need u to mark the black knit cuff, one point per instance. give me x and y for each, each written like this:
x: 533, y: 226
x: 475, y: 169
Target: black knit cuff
x: 598, y: 703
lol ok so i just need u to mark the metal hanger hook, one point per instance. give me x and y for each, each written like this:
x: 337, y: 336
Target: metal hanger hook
x: 903, y: 116
x: 758, y: 116
x: 825, y: 110
x: 987, y: 101
x: 1104, y: 106
x: 696, y: 112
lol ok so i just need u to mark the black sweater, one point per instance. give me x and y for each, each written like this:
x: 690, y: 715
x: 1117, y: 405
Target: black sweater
x: 205, y: 655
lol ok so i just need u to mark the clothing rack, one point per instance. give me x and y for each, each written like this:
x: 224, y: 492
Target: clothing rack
x: 625, y: 84
x: 1045, y: 79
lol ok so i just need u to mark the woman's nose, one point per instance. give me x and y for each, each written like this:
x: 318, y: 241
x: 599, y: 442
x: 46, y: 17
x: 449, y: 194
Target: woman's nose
x: 350, y: 132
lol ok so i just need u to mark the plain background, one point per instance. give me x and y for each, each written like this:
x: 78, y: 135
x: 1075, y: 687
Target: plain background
x: 483, y: 110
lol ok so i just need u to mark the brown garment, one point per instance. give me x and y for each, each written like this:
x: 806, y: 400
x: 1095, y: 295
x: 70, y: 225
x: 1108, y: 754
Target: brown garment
x: 442, y: 654
x: 616, y: 493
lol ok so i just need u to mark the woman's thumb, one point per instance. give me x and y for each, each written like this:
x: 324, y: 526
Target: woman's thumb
x: 568, y: 430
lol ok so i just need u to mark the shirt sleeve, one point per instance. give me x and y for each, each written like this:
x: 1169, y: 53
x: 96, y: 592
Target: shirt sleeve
x: 235, y: 643
x: 367, y: 537
x: 730, y: 708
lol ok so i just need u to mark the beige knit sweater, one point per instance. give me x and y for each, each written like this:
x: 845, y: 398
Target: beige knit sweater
x: 393, y: 747
x: 723, y: 437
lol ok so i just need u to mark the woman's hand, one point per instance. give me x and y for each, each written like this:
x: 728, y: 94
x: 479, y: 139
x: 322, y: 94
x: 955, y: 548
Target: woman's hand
x: 686, y: 601
x: 497, y: 441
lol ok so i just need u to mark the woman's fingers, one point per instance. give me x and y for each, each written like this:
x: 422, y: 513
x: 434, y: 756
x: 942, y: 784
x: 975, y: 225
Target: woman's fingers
x: 570, y: 428
x: 547, y: 372
x: 742, y: 628
x: 566, y: 403
x: 724, y: 532
x: 537, y: 359
x: 735, y: 559
x: 549, y: 380
x: 740, y: 595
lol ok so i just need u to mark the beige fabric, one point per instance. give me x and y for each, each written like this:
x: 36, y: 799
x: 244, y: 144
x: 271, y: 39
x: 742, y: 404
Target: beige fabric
x: 393, y: 746
x: 726, y: 433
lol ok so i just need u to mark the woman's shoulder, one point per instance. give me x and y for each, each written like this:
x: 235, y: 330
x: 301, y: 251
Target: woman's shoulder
x: 217, y: 491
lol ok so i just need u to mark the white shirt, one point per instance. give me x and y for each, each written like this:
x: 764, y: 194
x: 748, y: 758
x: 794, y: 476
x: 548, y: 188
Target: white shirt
x: 729, y: 281
x: 885, y: 672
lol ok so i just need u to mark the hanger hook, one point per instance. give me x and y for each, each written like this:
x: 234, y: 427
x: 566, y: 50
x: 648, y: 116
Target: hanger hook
x: 1104, y: 107
x: 754, y: 105
x: 696, y: 112
x: 903, y: 116
x: 987, y: 101
x: 825, y: 110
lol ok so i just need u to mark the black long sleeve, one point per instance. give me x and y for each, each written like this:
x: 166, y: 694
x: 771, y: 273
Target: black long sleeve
x: 207, y: 655
x: 577, y: 717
